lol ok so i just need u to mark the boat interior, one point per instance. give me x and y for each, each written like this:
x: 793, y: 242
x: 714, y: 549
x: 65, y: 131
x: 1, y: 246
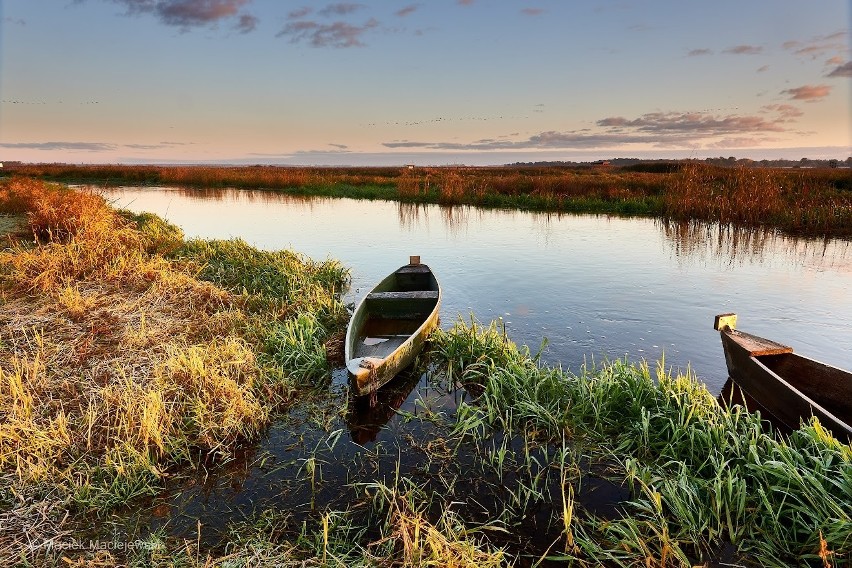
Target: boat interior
x: 395, y: 313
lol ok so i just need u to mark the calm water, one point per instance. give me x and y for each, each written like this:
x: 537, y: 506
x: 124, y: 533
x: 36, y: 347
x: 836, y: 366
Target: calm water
x: 596, y: 287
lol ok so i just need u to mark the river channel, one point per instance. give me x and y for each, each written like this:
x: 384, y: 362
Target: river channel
x: 596, y: 287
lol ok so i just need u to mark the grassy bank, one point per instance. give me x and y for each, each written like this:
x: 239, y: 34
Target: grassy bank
x: 127, y: 351
x: 129, y: 355
x: 800, y: 201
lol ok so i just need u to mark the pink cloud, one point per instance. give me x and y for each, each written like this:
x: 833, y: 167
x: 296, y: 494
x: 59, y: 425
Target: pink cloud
x: 808, y: 93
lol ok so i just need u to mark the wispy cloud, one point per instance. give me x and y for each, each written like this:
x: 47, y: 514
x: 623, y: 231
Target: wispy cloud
x: 819, y: 45
x: 87, y: 146
x: 321, y: 34
x: 532, y: 11
x: 187, y: 14
x: 247, y: 23
x: 300, y: 13
x: 692, y: 122
x: 68, y: 146
x: 744, y: 50
x: 699, y: 52
x: 763, y: 69
x: 14, y: 21
x: 407, y: 11
x: 340, y: 9
x: 660, y: 129
x: 465, y: 2
x: 808, y: 93
x: 786, y: 113
x: 844, y: 70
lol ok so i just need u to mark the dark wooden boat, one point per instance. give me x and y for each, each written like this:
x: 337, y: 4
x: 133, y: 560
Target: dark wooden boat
x: 791, y: 388
x: 390, y: 326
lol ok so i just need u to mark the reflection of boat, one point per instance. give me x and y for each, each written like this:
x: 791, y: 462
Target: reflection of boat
x: 366, y: 417
x: 786, y: 385
x: 390, y: 325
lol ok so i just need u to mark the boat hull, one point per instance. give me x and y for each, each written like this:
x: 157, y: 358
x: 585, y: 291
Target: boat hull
x: 390, y: 326
x: 791, y: 388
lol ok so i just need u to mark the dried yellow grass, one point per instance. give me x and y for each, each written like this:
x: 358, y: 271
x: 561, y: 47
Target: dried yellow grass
x: 109, y: 352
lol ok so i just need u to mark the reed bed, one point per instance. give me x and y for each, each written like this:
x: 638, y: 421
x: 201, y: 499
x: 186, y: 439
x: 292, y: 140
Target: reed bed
x: 799, y: 201
x: 803, y: 201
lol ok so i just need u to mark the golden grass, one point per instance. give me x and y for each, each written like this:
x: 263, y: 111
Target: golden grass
x: 806, y: 201
x: 114, y: 357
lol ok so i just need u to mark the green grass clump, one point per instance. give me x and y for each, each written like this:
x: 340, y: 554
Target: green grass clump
x: 702, y: 475
x: 271, y: 281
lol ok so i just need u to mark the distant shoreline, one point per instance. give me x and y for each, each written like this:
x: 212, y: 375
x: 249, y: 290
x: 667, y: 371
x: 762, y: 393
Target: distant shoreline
x: 809, y: 197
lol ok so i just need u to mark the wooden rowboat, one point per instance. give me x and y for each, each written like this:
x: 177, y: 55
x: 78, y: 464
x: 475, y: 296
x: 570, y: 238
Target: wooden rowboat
x: 789, y: 387
x: 390, y: 325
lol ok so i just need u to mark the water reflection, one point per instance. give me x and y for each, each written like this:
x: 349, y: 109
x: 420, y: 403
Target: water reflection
x: 367, y: 415
x: 733, y: 245
x: 455, y: 218
x: 597, y: 287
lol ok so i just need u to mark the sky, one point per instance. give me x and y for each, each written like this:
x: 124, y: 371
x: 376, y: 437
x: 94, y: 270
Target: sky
x: 385, y: 82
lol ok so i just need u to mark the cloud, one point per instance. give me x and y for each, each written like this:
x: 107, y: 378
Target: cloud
x: 763, y: 69
x: 247, y: 23
x: 465, y: 2
x: 18, y: 22
x: 300, y: 13
x: 339, y: 146
x: 699, y: 52
x: 786, y: 113
x: 408, y: 10
x: 808, y: 93
x: 341, y: 9
x: 532, y: 11
x: 191, y: 13
x: 744, y: 50
x: 739, y: 142
x: 819, y: 45
x: 336, y: 34
x: 660, y: 129
x: 844, y: 70
x: 68, y: 146
x: 692, y: 122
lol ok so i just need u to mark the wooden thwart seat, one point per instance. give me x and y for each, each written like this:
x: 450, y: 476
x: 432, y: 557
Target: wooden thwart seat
x: 412, y: 295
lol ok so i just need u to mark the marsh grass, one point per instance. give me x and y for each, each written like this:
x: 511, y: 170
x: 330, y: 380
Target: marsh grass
x: 703, y: 476
x: 801, y: 201
x: 126, y: 350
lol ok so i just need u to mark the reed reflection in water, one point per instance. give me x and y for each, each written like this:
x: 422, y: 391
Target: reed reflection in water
x: 736, y: 245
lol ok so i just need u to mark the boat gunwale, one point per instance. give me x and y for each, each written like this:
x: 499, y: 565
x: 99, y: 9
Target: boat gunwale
x: 731, y: 334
